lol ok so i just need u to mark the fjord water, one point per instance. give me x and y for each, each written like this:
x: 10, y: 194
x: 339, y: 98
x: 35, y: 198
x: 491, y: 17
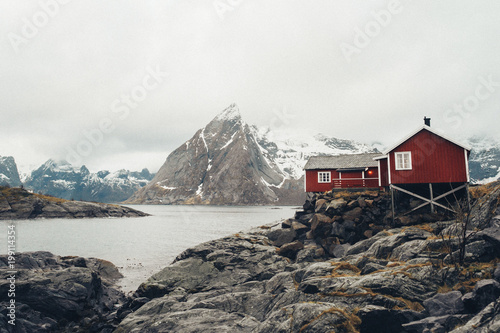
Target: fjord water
x: 140, y: 246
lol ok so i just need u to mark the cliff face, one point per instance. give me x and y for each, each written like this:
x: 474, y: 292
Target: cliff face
x: 9, y: 175
x: 221, y: 164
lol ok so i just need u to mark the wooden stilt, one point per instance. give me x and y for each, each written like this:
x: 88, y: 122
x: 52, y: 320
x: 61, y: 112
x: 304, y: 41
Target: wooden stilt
x: 432, y: 198
x: 393, y: 207
x: 432, y: 201
x: 468, y: 197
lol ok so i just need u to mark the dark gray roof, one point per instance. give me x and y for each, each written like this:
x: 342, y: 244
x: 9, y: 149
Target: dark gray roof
x: 349, y: 161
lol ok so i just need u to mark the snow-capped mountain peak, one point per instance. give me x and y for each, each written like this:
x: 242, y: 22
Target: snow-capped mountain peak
x: 484, y: 161
x: 59, y: 166
x: 290, y: 150
x: 61, y: 179
x: 230, y: 162
x: 231, y: 113
x: 9, y: 174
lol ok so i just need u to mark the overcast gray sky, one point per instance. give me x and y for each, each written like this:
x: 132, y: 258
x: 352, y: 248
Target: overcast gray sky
x: 126, y: 81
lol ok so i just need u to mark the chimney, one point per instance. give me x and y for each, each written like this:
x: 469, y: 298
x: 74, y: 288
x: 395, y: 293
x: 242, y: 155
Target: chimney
x: 427, y: 121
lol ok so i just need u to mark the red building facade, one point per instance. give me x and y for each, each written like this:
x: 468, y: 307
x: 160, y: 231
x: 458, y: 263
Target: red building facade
x: 325, y: 173
x: 425, y: 165
x: 425, y: 157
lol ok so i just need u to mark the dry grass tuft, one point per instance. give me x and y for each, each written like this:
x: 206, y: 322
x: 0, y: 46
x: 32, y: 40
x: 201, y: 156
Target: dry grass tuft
x: 467, y: 285
x: 295, y: 283
x: 50, y: 198
x: 416, y: 266
x: 402, y: 272
x: 349, y: 325
x: 444, y: 289
x: 343, y: 266
x: 394, y: 264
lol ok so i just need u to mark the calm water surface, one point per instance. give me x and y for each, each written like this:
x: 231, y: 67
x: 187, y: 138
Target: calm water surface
x: 140, y: 246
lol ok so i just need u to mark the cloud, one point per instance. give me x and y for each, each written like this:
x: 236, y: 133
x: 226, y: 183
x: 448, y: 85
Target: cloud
x: 263, y: 55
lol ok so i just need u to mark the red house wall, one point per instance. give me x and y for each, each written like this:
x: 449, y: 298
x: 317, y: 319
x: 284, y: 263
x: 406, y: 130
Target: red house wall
x: 371, y: 179
x: 312, y: 184
x: 434, y: 160
x: 384, y: 173
x: 349, y: 179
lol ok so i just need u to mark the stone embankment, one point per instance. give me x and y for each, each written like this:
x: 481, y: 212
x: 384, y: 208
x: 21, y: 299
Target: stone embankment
x: 16, y: 203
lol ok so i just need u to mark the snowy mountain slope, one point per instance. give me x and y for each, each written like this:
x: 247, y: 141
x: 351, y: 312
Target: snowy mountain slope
x: 291, y: 150
x: 61, y: 179
x: 484, y: 161
x: 9, y: 175
x: 230, y: 162
x: 221, y: 164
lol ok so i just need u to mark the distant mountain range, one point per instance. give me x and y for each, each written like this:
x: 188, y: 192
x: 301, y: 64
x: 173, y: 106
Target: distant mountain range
x: 484, y: 163
x: 62, y: 180
x: 225, y: 162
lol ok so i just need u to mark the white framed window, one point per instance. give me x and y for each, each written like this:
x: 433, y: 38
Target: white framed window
x: 324, y: 177
x: 403, y: 160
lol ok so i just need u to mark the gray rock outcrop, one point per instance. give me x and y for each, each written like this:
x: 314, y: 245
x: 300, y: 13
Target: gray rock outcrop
x: 16, y: 203
x: 286, y: 279
x: 9, y: 175
x: 58, y: 294
x: 221, y: 164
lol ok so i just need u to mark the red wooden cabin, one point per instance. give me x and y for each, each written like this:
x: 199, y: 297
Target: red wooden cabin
x: 427, y: 165
x: 325, y: 173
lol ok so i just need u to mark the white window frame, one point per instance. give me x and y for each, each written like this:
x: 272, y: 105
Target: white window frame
x: 324, y: 177
x: 400, y: 157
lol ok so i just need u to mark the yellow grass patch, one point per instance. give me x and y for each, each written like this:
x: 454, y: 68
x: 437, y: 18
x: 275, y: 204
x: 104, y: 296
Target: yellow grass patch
x: 350, y: 325
x: 50, y: 198
x: 343, y: 266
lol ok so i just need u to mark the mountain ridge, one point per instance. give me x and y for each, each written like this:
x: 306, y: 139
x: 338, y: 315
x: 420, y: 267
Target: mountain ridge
x: 63, y: 180
x: 229, y: 162
x: 199, y: 170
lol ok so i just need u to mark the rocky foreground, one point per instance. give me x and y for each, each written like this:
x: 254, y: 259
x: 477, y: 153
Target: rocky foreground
x: 58, y: 294
x: 16, y: 203
x: 335, y: 267
x: 338, y: 266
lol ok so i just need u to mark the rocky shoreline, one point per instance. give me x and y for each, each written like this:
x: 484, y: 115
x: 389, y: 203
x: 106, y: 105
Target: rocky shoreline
x: 17, y: 203
x: 58, y: 294
x: 336, y: 266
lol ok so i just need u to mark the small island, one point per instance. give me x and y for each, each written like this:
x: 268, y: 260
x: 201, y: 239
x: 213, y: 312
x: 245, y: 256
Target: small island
x: 17, y: 203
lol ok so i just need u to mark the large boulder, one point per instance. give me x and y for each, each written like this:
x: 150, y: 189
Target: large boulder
x: 485, y: 292
x: 282, y: 236
x: 444, y: 304
x: 382, y: 320
x: 60, y: 293
x: 486, y: 321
